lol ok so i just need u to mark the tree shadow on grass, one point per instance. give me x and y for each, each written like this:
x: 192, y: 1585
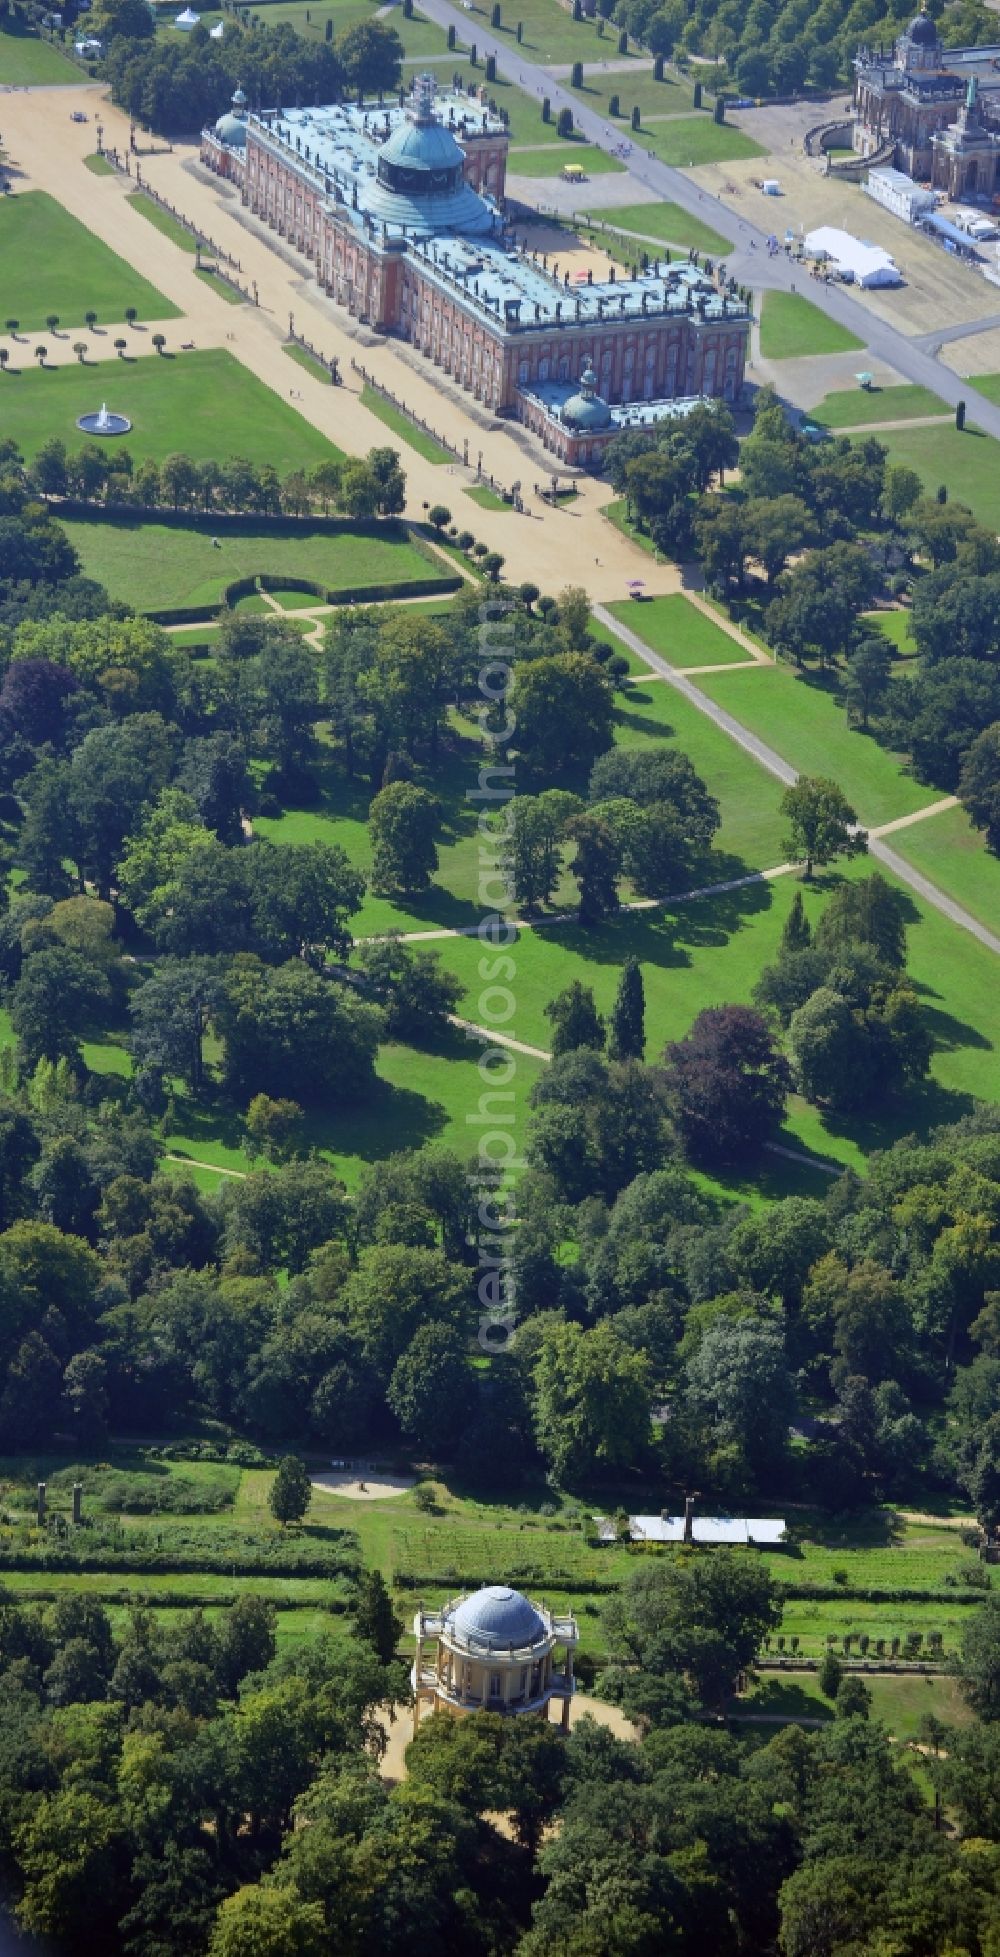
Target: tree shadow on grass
x: 781, y: 1696
x: 925, y: 1106
x: 666, y: 937
x: 390, y: 1120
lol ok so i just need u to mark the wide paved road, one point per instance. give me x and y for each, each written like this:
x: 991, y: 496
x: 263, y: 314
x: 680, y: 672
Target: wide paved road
x: 749, y: 267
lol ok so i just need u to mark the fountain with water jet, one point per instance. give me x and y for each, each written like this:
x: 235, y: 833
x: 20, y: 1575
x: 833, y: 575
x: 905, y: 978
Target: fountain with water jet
x: 104, y: 422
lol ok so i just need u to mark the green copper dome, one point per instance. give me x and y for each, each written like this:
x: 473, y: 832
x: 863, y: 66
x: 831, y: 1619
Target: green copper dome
x: 586, y: 409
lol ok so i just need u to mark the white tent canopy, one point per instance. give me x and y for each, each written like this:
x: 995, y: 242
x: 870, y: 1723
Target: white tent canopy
x: 869, y: 264
x: 704, y: 1528
x: 216, y: 33
x: 187, y: 19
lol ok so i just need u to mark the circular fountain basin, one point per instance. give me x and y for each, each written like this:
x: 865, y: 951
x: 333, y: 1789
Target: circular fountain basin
x: 103, y: 422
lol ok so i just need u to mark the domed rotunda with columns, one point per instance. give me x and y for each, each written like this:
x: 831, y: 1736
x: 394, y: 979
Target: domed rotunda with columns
x: 493, y: 1651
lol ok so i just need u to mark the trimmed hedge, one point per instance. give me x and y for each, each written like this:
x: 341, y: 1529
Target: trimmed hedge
x: 182, y: 1599
x: 357, y: 594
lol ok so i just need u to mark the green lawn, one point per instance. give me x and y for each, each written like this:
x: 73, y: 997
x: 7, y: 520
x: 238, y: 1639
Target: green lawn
x: 691, y: 140
x: 900, y: 1701
x: 158, y: 565
x: 678, y: 631
x: 402, y: 426
x: 550, y: 34
x: 635, y: 89
x: 170, y: 227
x: 853, y: 407
x: 947, y: 849
x: 671, y: 225
x: 551, y: 162
x: 221, y: 287
x: 987, y: 385
x: 205, y: 404
x: 53, y: 264
x: 307, y: 361
x: 487, y: 498
x: 419, y: 1097
x: 966, y: 463
x: 896, y: 626
x: 99, y: 165
x: 809, y: 728
x: 26, y: 61
x: 791, y: 327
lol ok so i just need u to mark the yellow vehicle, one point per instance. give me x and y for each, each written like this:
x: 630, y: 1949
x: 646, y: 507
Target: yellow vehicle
x: 574, y: 173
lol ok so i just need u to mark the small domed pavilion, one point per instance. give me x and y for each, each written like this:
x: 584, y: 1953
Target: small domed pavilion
x: 493, y: 1651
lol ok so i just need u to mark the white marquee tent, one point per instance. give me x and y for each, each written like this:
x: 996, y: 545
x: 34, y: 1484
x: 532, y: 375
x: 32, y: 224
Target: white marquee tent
x: 869, y: 264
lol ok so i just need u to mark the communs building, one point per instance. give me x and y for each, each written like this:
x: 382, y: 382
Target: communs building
x: 400, y: 209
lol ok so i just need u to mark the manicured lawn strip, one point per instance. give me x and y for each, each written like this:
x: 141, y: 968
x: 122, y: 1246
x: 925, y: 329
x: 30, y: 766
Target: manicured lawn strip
x: 220, y: 287
x: 811, y: 1622
x: 549, y: 162
x: 896, y: 626
x: 402, y: 426
x: 696, y: 139
x: 98, y: 164
x: 26, y: 60
x: 616, y: 514
x: 947, y: 849
x: 987, y: 385
x: 118, y: 1584
x: 487, y: 498
x: 853, y: 408
x: 808, y: 727
x: 671, y: 224
x: 307, y: 361
x: 204, y: 403
x: 170, y: 227
x: 966, y: 463
x: 157, y: 565
x: 419, y: 1097
x: 678, y: 631
x: 53, y: 264
x: 791, y: 326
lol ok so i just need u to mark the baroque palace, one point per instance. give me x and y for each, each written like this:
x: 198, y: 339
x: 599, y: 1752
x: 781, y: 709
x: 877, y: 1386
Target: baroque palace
x: 934, y: 111
x: 400, y: 209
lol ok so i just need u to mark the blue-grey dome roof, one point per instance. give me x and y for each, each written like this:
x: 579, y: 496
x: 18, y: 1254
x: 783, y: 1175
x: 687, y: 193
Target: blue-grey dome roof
x: 232, y: 131
x: 497, y: 1617
x: 422, y: 146
x: 586, y: 409
x: 923, y: 31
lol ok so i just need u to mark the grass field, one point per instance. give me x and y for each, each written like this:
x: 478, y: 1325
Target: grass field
x: 53, y: 264
x: 638, y: 89
x: 486, y: 497
x: 163, y: 221
x: 953, y: 854
x: 791, y: 327
x: 809, y: 728
x: 221, y: 287
x: 420, y: 1096
x: 550, y: 34
x: 27, y: 62
x: 691, y: 140
x: 99, y: 165
x: 158, y: 565
x: 852, y: 408
x: 402, y: 426
x: 965, y: 463
x: 671, y: 225
x: 678, y: 631
x: 900, y: 1701
x: 897, y: 628
x: 205, y: 404
x: 550, y: 162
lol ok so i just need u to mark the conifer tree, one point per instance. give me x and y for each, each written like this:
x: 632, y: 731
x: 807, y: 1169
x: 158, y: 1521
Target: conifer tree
x: 797, y: 934
x: 628, y: 1030
x: 374, y: 1619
